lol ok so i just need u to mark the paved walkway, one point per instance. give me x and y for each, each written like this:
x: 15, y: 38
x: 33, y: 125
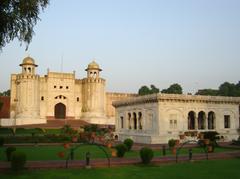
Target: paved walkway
x: 121, y: 161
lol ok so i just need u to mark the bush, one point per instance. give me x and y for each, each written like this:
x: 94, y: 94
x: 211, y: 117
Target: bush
x: 171, y: 143
x: 121, y: 150
x: 146, y: 155
x: 9, y: 151
x: 1, y: 141
x: 18, y: 160
x: 6, y: 131
x: 128, y: 143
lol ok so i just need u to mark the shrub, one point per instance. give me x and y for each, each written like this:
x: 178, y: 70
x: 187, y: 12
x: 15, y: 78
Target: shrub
x: 128, y: 143
x: 171, y: 143
x: 1, y: 141
x: 121, y: 150
x: 9, y: 151
x: 146, y: 155
x: 18, y: 160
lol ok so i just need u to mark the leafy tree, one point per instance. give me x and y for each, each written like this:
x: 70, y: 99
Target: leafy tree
x: 225, y: 89
x: 154, y: 89
x: 17, y: 19
x: 144, y: 90
x: 228, y: 89
x: 5, y: 93
x: 207, y: 92
x: 173, y: 89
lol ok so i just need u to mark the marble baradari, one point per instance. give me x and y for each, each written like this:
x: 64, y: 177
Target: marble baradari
x: 36, y: 99
x: 156, y: 118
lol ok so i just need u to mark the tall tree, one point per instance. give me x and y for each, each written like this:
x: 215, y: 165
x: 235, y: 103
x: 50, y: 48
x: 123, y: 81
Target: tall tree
x: 154, y: 89
x: 5, y: 93
x: 144, y: 90
x: 225, y: 89
x: 207, y: 92
x: 17, y: 19
x: 173, y: 89
x: 228, y: 89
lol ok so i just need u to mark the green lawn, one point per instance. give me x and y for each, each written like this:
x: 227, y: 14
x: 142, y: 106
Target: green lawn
x: 50, y: 152
x: 218, y: 169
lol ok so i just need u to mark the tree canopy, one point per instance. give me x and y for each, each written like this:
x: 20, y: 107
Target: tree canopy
x: 144, y: 90
x: 173, y: 89
x: 225, y: 89
x: 5, y: 93
x: 17, y: 19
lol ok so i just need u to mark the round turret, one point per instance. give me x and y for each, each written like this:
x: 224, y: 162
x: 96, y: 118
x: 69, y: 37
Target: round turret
x: 28, y: 65
x: 28, y: 61
x: 93, y: 70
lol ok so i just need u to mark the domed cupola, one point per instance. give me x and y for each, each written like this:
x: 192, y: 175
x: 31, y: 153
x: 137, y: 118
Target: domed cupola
x: 28, y: 65
x: 93, y: 70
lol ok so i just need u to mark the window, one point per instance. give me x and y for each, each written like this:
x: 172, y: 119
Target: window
x: 226, y: 121
x: 77, y: 99
x: 173, y: 121
x: 121, y: 122
x: 55, y: 86
x: 175, y: 124
x: 171, y: 124
x: 60, y: 87
x: 66, y: 87
x: 42, y: 98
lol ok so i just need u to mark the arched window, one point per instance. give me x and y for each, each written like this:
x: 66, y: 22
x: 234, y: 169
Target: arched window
x: 211, y: 120
x: 134, y: 121
x: 191, y: 120
x: 140, y: 120
x: 129, y: 121
x: 121, y: 121
x: 201, y: 120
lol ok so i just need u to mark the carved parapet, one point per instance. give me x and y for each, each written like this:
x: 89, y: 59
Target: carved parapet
x: 177, y: 98
x: 93, y: 80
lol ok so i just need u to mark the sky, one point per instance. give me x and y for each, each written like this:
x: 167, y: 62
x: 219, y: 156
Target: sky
x: 195, y: 43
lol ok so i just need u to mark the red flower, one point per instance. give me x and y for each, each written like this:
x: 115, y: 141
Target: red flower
x: 74, y: 139
x: 66, y: 145
x: 61, y: 154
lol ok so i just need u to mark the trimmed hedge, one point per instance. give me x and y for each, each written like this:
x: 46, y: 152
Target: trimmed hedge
x: 31, y: 131
x: 146, y: 155
x: 18, y: 160
x: 171, y: 143
x: 6, y: 131
x: 121, y: 150
x: 128, y: 143
x: 9, y: 152
x: 49, y: 138
x: 1, y: 141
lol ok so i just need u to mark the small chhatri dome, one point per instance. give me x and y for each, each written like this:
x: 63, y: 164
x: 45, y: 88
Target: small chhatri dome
x: 93, y: 66
x: 28, y: 61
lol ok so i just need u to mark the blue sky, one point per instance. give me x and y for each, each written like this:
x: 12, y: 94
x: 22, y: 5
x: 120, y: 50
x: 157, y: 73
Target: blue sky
x: 136, y: 42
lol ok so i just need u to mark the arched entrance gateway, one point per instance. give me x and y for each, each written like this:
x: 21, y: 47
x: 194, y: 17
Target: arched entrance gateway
x: 60, y: 111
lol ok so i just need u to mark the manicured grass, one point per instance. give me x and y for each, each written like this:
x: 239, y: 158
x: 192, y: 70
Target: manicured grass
x: 218, y: 169
x: 50, y: 152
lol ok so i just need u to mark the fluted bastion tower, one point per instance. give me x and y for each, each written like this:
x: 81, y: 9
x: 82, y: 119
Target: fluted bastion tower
x: 60, y: 96
x: 27, y: 108
x: 93, y: 87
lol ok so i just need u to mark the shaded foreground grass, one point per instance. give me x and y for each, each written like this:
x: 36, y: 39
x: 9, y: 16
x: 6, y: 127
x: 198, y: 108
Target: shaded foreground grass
x: 214, y: 169
x: 50, y: 152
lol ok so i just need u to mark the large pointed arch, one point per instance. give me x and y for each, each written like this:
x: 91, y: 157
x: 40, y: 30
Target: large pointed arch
x: 60, y: 111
